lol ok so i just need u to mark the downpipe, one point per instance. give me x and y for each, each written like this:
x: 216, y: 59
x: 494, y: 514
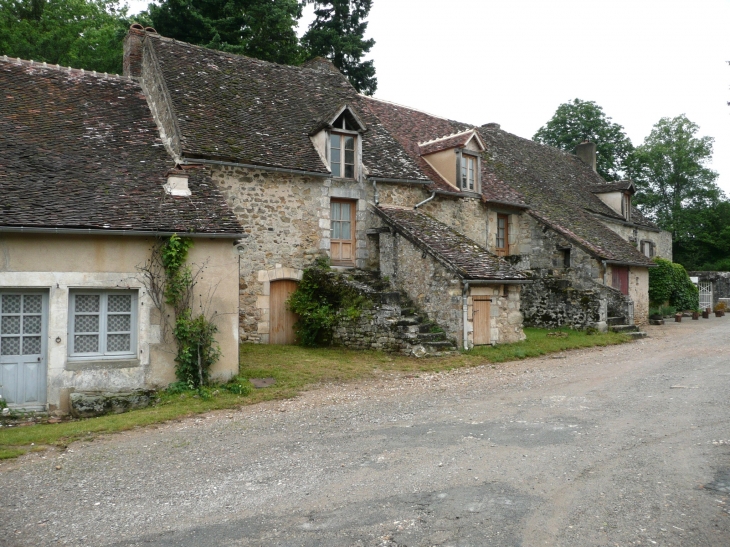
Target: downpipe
x: 465, y: 309
x: 376, y: 197
x: 417, y: 205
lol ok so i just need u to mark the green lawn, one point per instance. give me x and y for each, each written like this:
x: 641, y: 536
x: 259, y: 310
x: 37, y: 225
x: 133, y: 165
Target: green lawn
x: 295, y: 369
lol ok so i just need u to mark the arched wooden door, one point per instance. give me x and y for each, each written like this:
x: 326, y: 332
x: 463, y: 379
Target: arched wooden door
x: 281, y: 330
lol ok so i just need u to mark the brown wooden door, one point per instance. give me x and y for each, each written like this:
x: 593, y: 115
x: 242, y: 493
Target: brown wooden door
x: 620, y: 278
x: 342, y: 237
x: 481, y: 319
x: 281, y: 319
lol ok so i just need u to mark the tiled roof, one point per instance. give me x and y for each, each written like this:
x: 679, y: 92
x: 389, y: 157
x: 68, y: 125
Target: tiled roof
x: 444, y: 143
x: 558, y: 188
x: 234, y: 108
x: 617, y: 186
x: 411, y: 126
x: 81, y: 151
x: 457, y: 252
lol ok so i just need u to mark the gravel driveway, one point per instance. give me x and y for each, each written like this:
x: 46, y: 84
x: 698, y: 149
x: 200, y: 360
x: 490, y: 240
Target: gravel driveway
x: 628, y: 445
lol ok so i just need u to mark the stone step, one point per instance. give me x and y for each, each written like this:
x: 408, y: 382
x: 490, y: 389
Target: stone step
x: 389, y: 297
x: 431, y: 336
x: 441, y: 345
x: 637, y: 335
x: 406, y: 312
x: 409, y: 322
x: 624, y: 328
x: 616, y: 320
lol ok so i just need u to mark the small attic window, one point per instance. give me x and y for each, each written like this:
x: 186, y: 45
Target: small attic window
x: 346, y: 121
x: 626, y: 206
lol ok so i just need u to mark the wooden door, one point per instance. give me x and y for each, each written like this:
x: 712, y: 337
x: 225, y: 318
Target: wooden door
x: 481, y: 319
x: 342, y: 237
x: 281, y: 330
x: 620, y: 278
x: 23, y: 320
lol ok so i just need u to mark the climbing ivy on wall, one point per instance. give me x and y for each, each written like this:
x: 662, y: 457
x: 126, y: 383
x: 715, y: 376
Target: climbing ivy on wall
x: 669, y: 283
x: 171, y: 281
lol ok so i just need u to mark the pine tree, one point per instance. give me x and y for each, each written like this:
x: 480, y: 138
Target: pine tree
x: 338, y: 34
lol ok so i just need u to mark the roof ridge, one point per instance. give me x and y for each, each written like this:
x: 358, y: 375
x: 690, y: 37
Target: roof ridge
x: 68, y: 70
x: 450, y: 136
x: 411, y: 109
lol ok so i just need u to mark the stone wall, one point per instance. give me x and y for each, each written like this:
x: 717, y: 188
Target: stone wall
x: 635, y: 234
x: 720, y: 283
x: 553, y: 301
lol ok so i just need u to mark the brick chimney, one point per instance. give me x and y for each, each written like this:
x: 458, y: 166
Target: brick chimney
x: 586, y: 151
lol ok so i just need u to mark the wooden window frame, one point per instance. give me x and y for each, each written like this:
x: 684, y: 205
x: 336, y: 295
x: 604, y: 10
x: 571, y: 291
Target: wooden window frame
x: 103, y: 331
x: 353, y: 229
x: 503, y: 250
x: 646, y: 243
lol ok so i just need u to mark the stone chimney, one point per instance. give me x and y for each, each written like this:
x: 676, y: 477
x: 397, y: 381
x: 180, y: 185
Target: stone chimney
x: 133, y: 51
x: 586, y: 151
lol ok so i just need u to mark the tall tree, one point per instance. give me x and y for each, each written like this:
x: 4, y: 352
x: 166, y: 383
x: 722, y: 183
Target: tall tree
x: 264, y: 29
x: 677, y: 189
x: 79, y: 33
x: 577, y: 121
x: 338, y: 33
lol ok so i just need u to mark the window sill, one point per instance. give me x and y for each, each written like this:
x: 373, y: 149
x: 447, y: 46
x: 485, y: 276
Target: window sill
x: 102, y: 364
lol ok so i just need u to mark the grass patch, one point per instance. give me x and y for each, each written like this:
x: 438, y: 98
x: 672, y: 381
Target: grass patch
x: 295, y: 369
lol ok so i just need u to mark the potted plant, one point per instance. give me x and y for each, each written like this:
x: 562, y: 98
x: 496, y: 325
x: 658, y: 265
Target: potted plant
x: 720, y: 309
x: 695, y: 314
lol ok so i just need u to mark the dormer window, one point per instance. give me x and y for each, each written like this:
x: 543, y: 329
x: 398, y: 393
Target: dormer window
x: 469, y: 175
x: 626, y: 207
x: 337, y: 140
x: 342, y: 152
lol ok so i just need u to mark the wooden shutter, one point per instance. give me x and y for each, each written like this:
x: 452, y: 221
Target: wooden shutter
x: 481, y: 319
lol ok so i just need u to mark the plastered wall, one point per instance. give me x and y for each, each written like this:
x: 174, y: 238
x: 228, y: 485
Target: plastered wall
x: 58, y: 264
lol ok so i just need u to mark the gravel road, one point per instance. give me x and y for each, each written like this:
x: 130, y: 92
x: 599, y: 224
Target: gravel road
x: 628, y: 445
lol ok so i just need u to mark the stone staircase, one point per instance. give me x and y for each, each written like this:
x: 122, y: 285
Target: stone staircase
x: 392, y: 323
x: 618, y: 324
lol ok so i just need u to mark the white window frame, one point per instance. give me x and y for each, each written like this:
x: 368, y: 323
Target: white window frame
x: 342, y: 134
x: 468, y: 162
x: 103, y: 319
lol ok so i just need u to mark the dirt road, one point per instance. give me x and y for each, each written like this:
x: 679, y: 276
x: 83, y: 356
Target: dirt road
x: 628, y: 445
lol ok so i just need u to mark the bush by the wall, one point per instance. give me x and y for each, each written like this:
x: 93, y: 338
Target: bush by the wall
x: 669, y: 283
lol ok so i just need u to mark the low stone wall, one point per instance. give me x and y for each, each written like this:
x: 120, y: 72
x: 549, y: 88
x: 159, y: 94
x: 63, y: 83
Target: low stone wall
x: 551, y: 302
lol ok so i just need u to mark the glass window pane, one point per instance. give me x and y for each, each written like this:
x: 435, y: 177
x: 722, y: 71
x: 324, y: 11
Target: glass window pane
x: 10, y: 346
x: 334, y: 142
x: 336, y: 230
x: 32, y: 324
x: 32, y: 303
x: 349, y: 143
x: 119, y: 303
x: 349, y: 171
x: 86, y: 323
x: 88, y: 343
x: 346, y: 231
x: 10, y: 324
x: 119, y: 323
x: 87, y: 303
x: 336, y: 169
x: 334, y: 210
x: 31, y: 345
x: 11, y: 303
x: 118, y: 342
x: 345, y: 211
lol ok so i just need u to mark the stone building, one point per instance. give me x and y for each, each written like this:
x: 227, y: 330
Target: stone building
x: 86, y: 188
x: 311, y: 168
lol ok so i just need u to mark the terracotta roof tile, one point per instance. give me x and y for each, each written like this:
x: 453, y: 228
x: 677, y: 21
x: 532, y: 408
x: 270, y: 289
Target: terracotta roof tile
x: 457, y: 252
x: 79, y: 150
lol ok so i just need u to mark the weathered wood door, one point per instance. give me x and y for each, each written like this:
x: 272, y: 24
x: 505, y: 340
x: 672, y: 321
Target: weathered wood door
x: 281, y: 330
x: 620, y: 278
x: 342, y: 238
x: 482, y: 320
x: 23, y: 320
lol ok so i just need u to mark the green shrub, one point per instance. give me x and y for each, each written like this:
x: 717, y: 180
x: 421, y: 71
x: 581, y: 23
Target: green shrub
x: 669, y: 283
x: 320, y: 300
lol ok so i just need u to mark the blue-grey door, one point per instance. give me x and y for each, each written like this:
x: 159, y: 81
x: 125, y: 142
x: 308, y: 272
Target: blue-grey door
x: 23, y: 327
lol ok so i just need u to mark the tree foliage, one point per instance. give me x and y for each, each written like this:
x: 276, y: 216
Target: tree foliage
x: 338, y: 34
x: 264, y: 29
x: 669, y: 283
x: 84, y: 34
x: 578, y: 121
x: 677, y: 190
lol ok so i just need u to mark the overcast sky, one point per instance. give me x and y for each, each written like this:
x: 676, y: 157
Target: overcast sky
x: 514, y: 61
